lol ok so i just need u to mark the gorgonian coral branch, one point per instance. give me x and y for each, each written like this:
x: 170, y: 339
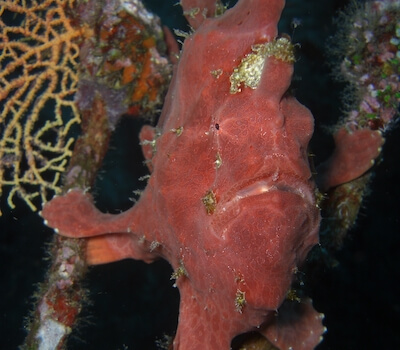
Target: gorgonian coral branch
x: 38, y: 79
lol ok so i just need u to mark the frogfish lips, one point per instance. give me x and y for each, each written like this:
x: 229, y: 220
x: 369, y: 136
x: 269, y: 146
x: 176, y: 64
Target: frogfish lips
x: 268, y: 227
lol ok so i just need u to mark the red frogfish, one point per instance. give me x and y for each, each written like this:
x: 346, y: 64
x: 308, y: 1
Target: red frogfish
x: 230, y: 202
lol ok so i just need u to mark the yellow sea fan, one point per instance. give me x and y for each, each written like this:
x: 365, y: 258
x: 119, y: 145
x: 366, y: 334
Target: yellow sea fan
x: 38, y: 79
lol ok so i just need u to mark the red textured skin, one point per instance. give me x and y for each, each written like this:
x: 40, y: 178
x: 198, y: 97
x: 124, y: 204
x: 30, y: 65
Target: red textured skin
x: 265, y: 220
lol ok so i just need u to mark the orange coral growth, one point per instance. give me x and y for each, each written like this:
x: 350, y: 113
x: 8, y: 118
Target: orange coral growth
x: 132, y: 60
x: 38, y: 79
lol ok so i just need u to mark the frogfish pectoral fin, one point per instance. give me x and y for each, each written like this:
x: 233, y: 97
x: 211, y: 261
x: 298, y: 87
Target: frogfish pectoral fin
x: 109, y: 237
x: 297, y: 326
x: 355, y: 153
x: 74, y: 215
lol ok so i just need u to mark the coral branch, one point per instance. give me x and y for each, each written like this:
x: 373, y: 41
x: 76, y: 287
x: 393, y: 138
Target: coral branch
x: 61, y: 296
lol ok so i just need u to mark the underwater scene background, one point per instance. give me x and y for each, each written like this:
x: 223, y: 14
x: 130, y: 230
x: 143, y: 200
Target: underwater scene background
x: 132, y: 304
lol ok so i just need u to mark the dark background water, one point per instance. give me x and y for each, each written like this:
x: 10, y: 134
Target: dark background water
x: 133, y: 303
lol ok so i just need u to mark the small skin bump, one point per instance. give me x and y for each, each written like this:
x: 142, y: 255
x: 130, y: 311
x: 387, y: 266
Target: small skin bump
x: 154, y: 245
x: 240, y: 301
x: 216, y: 73
x: 319, y: 198
x: 192, y: 12
x: 182, y: 33
x: 218, y: 161
x: 137, y: 192
x: 292, y: 296
x: 144, y: 178
x: 178, y: 273
x: 177, y: 131
x: 148, y: 142
x: 210, y: 202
